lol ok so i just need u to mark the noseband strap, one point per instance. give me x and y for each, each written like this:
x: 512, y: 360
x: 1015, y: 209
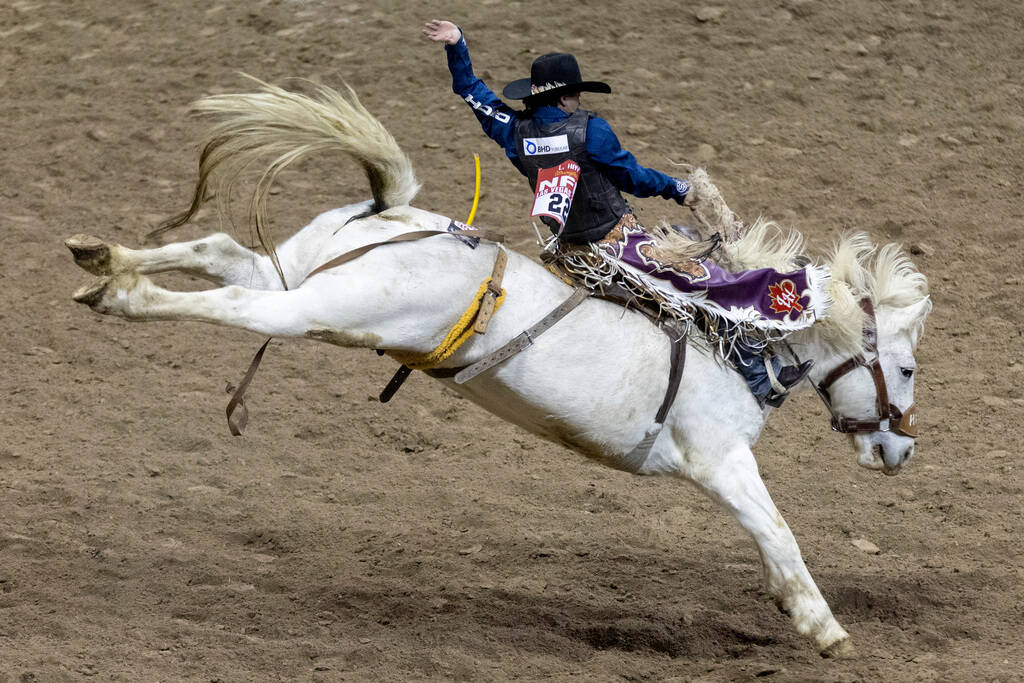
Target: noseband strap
x: 890, y: 418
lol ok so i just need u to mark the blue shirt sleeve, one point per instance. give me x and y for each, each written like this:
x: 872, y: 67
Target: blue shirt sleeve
x: 495, y: 117
x: 622, y: 168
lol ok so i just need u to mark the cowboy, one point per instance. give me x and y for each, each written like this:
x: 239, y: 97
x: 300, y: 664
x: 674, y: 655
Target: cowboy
x: 552, y: 99
x: 579, y: 197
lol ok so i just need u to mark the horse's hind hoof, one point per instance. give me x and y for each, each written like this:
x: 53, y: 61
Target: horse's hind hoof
x: 841, y: 649
x: 91, y: 253
x: 91, y: 294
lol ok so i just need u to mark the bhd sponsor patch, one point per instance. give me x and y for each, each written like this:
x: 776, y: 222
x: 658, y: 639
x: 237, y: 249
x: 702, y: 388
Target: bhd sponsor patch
x: 556, y: 144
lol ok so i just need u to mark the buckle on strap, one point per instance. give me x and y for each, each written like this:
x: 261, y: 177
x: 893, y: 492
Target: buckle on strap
x: 520, y: 342
x: 493, y: 292
x: 523, y: 339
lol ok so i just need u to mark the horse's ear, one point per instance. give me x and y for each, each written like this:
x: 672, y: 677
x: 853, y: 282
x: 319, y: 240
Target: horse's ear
x: 915, y: 317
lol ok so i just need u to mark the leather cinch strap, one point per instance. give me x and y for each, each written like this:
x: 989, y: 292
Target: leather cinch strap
x: 675, y: 375
x: 524, y: 340
x: 397, y: 380
x: 236, y: 426
x: 483, y: 316
x: 635, y: 459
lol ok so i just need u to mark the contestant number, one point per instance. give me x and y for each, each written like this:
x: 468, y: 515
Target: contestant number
x: 555, y: 189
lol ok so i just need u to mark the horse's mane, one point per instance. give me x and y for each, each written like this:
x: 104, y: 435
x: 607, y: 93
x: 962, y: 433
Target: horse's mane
x: 885, y: 275
x: 857, y: 268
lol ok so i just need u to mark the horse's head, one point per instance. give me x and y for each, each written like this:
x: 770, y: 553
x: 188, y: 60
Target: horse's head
x: 869, y: 386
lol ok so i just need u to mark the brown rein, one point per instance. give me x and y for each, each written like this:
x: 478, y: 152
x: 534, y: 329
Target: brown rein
x: 889, y: 417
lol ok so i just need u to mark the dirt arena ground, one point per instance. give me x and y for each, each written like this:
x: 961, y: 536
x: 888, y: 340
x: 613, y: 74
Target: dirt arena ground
x: 340, y: 539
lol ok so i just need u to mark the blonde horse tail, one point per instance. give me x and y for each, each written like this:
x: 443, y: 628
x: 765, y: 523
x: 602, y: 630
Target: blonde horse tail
x: 288, y: 126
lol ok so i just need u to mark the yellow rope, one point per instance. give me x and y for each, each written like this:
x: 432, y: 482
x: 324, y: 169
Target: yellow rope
x: 476, y: 192
x: 456, y: 337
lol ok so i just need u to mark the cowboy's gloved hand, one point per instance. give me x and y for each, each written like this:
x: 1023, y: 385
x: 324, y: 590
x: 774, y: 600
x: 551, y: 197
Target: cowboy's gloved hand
x: 685, y: 194
x: 440, y: 30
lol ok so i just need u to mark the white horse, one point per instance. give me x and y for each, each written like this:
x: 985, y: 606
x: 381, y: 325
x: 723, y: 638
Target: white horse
x: 592, y: 383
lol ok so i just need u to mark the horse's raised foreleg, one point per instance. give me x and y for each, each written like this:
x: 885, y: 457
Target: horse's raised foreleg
x: 733, y: 481
x: 218, y: 258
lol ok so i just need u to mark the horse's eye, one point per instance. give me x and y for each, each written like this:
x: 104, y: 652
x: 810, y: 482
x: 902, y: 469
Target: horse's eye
x: 907, y: 372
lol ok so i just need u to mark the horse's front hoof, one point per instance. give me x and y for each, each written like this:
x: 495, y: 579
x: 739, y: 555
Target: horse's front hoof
x: 841, y: 649
x: 91, y: 294
x: 91, y: 253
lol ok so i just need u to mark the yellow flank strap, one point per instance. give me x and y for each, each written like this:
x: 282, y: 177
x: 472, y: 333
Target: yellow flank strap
x: 456, y: 337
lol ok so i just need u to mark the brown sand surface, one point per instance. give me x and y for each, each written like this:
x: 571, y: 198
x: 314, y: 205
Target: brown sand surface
x: 340, y: 539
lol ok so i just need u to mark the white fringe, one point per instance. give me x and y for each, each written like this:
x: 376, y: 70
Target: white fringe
x: 723, y: 327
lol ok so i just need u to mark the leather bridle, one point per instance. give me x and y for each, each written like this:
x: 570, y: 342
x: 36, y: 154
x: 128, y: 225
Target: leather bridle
x: 889, y: 417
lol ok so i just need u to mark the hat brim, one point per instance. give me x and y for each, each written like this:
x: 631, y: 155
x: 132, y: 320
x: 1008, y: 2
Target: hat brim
x: 520, y: 89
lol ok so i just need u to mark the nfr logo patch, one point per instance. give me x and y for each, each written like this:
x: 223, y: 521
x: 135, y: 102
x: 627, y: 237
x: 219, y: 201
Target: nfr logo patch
x: 555, y: 188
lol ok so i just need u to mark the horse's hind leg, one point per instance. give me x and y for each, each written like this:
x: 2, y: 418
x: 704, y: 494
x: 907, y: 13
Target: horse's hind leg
x: 91, y: 254
x: 292, y: 313
x: 217, y: 258
x: 733, y: 481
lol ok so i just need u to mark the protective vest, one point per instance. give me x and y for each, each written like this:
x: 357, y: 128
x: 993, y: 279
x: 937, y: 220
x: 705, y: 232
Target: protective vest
x: 597, y: 204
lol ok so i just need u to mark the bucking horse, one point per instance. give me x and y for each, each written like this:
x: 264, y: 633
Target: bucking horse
x: 383, y: 275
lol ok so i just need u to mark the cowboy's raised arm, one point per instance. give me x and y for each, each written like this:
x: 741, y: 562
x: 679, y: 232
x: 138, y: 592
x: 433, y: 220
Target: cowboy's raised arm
x: 495, y: 116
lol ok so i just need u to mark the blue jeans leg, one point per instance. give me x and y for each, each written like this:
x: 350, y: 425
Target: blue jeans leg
x: 751, y: 365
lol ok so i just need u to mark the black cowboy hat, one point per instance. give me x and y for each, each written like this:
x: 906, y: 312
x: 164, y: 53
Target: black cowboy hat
x: 553, y: 74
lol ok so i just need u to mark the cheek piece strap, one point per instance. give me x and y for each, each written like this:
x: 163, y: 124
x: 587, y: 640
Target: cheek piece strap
x: 889, y: 417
